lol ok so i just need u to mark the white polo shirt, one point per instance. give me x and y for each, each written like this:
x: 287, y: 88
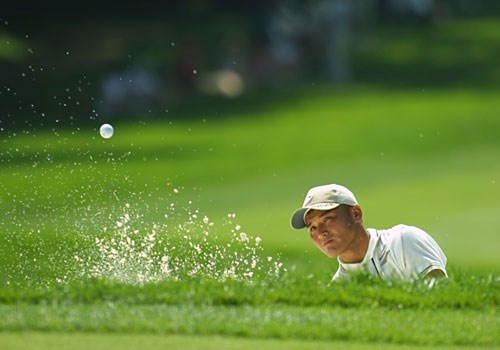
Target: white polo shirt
x: 401, y: 252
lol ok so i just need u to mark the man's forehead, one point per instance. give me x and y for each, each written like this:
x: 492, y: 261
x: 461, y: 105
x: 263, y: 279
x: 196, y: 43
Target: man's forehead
x: 317, y: 213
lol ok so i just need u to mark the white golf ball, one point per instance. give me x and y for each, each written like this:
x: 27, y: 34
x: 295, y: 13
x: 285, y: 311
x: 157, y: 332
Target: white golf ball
x: 106, y: 131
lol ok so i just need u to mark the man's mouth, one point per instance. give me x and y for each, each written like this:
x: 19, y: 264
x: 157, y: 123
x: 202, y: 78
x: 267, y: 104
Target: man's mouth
x: 328, y: 242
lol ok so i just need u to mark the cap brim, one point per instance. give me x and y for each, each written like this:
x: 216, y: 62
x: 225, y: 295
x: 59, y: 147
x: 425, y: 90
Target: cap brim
x: 297, y: 220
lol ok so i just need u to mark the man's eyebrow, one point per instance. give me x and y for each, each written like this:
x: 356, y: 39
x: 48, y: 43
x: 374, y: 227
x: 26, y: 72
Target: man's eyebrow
x: 321, y: 215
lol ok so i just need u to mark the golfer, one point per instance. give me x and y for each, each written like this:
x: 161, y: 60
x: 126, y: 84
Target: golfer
x: 334, y: 220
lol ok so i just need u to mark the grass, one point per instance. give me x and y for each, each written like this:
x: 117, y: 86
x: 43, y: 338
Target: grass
x: 462, y: 291
x: 300, y: 307
x: 77, y: 341
x: 434, y: 143
x: 426, y: 158
x: 416, y: 327
x: 414, y: 159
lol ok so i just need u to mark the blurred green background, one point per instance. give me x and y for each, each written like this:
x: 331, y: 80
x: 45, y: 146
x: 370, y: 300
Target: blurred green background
x: 241, y: 109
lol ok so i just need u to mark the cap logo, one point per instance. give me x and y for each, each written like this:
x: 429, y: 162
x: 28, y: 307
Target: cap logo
x: 323, y: 205
x: 308, y: 199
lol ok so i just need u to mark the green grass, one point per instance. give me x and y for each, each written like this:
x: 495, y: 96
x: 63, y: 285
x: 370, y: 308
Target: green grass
x: 460, y: 311
x: 427, y: 158
x: 77, y: 341
x: 422, y: 156
x: 416, y: 327
x: 462, y: 290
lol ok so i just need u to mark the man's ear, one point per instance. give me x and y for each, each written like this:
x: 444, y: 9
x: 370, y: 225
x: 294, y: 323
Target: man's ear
x: 357, y: 213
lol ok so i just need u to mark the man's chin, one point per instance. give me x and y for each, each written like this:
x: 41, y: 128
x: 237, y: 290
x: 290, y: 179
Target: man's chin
x: 331, y: 253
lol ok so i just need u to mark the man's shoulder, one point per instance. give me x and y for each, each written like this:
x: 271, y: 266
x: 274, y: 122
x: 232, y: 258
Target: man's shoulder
x: 400, y: 230
x: 399, y: 235
x: 389, y: 235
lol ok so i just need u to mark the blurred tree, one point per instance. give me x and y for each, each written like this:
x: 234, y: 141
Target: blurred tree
x: 56, y: 62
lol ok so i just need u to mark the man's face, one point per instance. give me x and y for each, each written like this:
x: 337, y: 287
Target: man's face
x: 332, y: 231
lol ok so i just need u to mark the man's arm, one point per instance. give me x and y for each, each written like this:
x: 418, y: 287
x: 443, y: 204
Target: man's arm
x: 422, y: 254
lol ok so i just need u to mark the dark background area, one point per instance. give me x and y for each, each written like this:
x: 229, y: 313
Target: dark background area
x: 73, y: 63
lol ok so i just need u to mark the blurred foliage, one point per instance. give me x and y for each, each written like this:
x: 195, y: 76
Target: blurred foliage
x: 53, y: 67
x: 449, y: 54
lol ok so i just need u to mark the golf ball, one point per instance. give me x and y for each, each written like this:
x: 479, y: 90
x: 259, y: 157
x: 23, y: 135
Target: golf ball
x: 106, y: 131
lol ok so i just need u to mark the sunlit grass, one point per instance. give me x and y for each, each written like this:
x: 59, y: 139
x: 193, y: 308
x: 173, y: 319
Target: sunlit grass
x: 299, y: 307
x: 421, y: 158
x: 98, y: 341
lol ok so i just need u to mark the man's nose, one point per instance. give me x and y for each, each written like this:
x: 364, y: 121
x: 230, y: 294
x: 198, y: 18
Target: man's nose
x: 322, y: 229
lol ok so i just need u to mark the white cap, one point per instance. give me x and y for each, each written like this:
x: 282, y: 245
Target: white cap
x: 324, y: 197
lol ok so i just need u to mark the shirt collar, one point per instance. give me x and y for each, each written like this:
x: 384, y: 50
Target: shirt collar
x: 368, y: 255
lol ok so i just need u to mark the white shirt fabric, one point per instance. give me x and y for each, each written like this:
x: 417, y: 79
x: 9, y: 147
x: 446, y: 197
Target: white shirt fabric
x: 401, y: 252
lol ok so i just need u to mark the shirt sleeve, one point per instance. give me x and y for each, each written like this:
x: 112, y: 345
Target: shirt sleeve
x: 421, y: 253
